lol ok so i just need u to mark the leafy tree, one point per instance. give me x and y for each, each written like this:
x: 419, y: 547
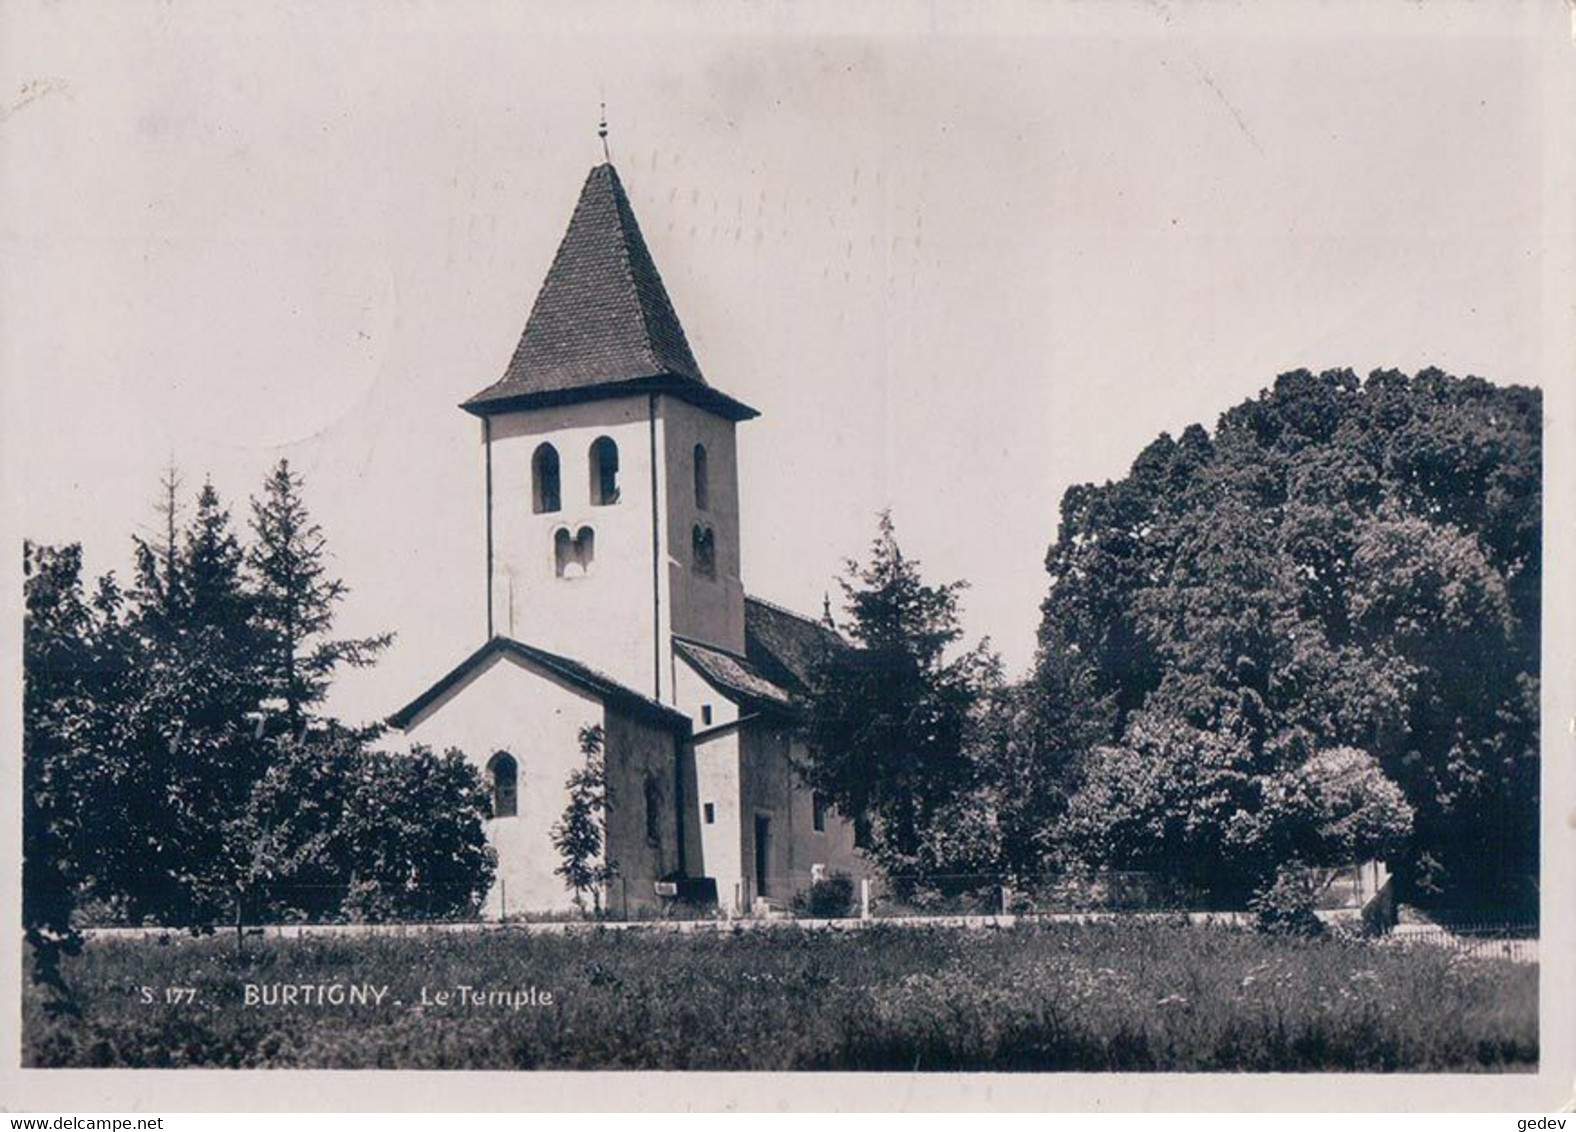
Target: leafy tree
x: 287, y: 845
x: 1285, y: 904
x: 1026, y: 744
x: 1165, y: 802
x: 1190, y: 804
x: 1333, y: 809
x: 150, y: 793
x: 1343, y: 564
x: 71, y: 664
x: 134, y: 738
x: 580, y: 836
x: 296, y: 600
x: 888, y: 723
x: 414, y: 831
x: 335, y: 830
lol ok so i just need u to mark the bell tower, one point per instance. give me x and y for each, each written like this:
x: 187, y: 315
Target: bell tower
x: 610, y: 466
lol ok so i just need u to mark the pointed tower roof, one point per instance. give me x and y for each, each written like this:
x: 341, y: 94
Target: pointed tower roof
x: 602, y: 325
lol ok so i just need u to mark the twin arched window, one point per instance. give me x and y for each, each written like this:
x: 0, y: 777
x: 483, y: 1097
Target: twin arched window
x: 503, y: 776
x: 573, y: 553
x: 547, y: 493
x: 702, y: 479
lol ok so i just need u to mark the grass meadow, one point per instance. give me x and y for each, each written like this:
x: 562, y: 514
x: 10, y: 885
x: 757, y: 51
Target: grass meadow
x: 1128, y: 997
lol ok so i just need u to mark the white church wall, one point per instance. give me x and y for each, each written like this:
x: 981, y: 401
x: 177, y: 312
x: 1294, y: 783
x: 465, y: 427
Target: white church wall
x: 602, y: 617
x: 506, y: 705
x: 697, y: 699
x: 717, y: 780
x: 717, y: 785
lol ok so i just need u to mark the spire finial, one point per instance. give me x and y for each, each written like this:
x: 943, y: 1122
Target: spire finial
x: 826, y: 610
x: 601, y: 132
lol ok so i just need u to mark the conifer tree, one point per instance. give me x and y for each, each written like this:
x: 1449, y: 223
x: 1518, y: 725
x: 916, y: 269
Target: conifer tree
x: 888, y: 723
x: 185, y: 754
x: 296, y: 600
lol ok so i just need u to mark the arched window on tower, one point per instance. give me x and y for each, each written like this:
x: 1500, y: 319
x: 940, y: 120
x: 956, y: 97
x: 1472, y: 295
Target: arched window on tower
x: 604, y: 471
x: 503, y: 776
x: 703, y: 551
x: 573, y: 553
x: 702, y: 479
x: 545, y: 493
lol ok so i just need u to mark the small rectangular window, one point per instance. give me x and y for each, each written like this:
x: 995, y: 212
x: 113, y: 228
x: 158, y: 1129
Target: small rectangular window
x: 711, y: 814
x: 818, y: 811
x: 705, y: 714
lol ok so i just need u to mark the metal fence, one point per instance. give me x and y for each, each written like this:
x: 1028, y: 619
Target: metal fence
x: 1036, y: 895
x: 1516, y: 942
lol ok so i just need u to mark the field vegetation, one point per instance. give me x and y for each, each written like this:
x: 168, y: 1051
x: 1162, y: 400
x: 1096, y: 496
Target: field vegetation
x: 1150, y: 996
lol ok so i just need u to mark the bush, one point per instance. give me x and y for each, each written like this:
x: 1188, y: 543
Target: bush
x: 1285, y: 905
x: 828, y: 898
x: 335, y: 831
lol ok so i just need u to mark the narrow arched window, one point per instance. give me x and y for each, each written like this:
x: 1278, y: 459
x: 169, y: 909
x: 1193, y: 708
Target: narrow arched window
x: 573, y: 553
x: 703, y: 551
x: 545, y: 493
x: 653, y: 811
x: 503, y: 775
x: 604, y: 471
x: 563, y: 550
x: 702, y: 479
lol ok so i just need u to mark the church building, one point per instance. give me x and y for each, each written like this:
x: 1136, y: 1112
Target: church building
x: 615, y: 597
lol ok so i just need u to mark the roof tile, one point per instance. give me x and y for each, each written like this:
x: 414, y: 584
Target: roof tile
x: 733, y: 675
x: 602, y: 319
x: 784, y: 646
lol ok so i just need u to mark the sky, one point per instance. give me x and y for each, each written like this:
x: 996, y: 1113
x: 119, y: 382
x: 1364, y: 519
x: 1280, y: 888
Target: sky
x: 960, y: 256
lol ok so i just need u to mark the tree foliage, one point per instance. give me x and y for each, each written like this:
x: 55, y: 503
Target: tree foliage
x: 889, y: 722
x: 580, y: 835
x: 184, y: 752
x: 1344, y: 567
x: 71, y: 665
x: 337, y: 830
x: 146, y: 745
x: 296, y: 600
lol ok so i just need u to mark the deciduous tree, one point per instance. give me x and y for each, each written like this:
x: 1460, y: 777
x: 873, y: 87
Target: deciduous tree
x: 580, y: 835
x: 1343, y: 564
